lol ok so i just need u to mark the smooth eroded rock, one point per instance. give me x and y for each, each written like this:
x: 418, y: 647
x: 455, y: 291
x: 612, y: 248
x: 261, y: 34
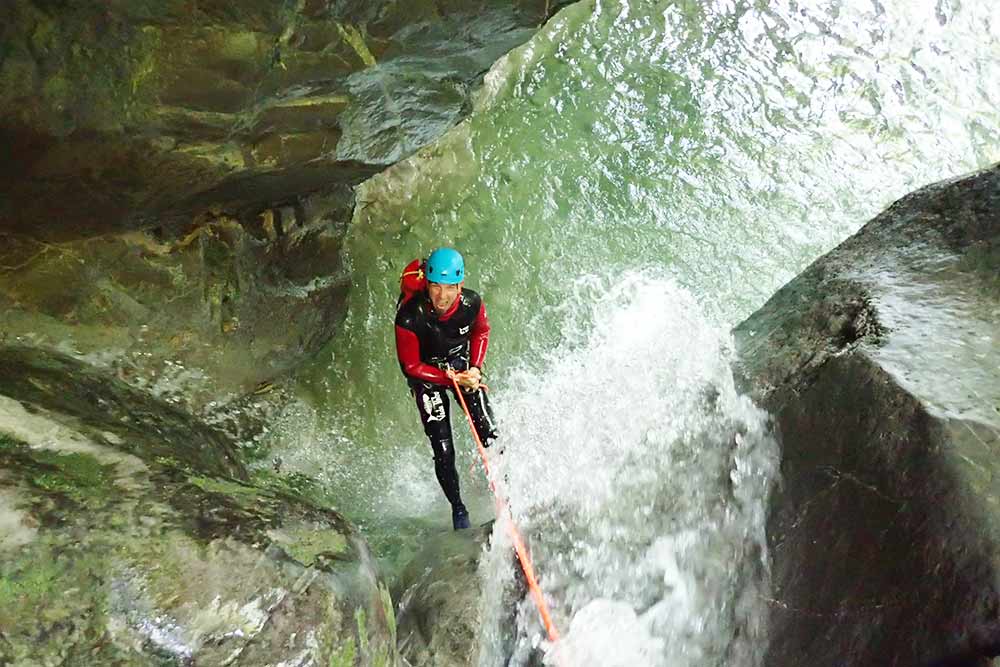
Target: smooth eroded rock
x: 881, y: 366
x: 202, y: 315
x: 34, y: 382
x: 119, y: 116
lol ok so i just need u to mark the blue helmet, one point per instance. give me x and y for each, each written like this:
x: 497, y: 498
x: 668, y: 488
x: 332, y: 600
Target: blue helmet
x: 445, y: 266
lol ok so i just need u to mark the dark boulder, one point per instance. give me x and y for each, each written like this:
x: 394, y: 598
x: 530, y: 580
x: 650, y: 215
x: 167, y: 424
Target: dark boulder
x: 119, y: 116
x: 881, y: 366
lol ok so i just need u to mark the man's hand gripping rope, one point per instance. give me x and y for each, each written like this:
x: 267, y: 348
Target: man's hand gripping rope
x: 470, y: 379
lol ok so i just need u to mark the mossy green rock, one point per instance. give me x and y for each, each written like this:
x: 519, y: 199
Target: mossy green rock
x: 109, y: 558
x: 108, y: 410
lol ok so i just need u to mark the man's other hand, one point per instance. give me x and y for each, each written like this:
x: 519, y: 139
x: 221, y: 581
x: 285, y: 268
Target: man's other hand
x: 469, y: 379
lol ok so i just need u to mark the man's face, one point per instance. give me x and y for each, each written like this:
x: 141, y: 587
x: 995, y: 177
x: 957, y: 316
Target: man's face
x: 443, y: 296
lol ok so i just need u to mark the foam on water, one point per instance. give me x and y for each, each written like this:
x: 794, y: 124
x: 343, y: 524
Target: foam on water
x: 725, y: 143
x: 640, y: 477
x: 728, y: 145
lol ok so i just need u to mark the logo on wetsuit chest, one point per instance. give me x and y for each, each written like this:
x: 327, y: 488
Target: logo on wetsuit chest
x: 464, y: 330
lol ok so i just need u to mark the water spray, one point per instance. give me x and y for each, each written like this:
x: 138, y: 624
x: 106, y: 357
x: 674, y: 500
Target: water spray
x: 505, y: 516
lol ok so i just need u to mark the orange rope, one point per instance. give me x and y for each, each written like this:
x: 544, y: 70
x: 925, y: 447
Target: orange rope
x: 503, y: 510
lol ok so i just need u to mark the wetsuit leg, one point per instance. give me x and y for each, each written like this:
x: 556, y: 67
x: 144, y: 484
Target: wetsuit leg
x: 479, y: 406
x: 482, y: 415
x: 433, y: 405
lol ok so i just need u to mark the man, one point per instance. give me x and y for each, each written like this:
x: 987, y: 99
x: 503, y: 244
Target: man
x: 442, y: 332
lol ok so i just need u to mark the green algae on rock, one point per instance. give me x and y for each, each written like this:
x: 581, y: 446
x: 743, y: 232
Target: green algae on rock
x: 307, y: 545
x: 116, y: 559
x: 108, y: 410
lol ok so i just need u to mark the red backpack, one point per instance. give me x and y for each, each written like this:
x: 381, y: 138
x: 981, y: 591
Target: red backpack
x: 413, y: 281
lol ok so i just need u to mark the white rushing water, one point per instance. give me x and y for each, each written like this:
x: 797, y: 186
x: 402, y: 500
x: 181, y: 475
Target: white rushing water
x: 640, y: 476
x: 723, y: 145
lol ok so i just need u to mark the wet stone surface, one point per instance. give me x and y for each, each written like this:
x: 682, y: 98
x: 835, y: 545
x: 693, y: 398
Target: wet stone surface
x: 111, y: 557
x: 438, y: 600
x: 175, y: 107
x: 881, y: 366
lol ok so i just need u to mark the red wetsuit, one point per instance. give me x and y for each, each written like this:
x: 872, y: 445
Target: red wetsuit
x: 425, y: 343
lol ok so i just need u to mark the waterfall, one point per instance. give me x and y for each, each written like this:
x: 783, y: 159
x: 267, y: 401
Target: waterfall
x: 633, y: 182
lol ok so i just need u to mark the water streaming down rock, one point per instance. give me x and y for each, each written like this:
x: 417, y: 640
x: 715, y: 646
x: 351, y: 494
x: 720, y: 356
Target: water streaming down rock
x: 640, y: 477
x: 726, y: 146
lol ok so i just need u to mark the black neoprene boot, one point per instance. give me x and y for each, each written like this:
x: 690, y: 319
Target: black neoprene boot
x: 459, y: 517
